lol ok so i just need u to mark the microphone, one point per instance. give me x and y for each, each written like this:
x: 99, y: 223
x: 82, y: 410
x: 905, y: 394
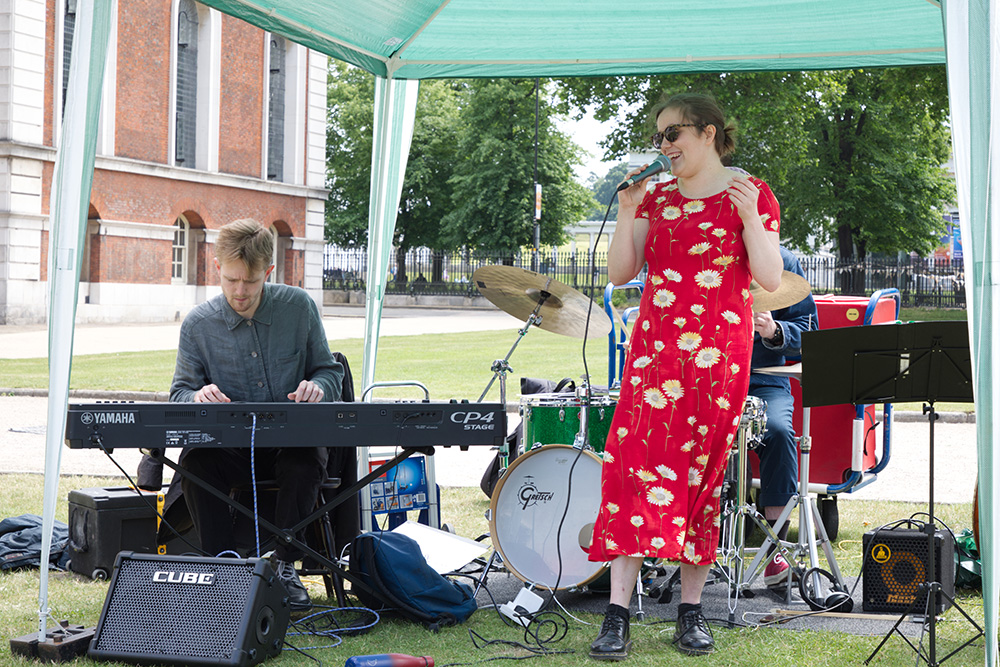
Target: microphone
x: 661, y: 163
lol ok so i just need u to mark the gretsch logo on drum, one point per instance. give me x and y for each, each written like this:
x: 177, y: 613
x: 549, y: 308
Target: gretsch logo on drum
x: 530, y: 495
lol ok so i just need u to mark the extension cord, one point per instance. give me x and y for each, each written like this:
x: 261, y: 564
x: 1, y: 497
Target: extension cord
x: 523, y: 607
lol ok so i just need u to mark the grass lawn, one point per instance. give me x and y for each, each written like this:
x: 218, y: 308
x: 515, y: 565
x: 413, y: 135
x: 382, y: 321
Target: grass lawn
x: 79, y: 600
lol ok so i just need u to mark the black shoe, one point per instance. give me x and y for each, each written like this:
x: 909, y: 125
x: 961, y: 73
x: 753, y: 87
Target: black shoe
x: 692, y: 634
x: 298, y: 597
x: 612, y: 643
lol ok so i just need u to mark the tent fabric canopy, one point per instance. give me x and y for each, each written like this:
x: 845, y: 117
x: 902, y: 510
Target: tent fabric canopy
x: 424, y: 39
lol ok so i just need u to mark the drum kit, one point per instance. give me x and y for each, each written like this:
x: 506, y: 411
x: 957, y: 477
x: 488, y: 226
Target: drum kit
x: 544, y: 506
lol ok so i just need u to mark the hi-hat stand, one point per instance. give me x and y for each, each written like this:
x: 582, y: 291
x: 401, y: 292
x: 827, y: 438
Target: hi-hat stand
x: 919, y: 361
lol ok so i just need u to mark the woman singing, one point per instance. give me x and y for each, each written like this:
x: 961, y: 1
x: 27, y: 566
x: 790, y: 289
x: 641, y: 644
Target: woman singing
x: 703, y: 236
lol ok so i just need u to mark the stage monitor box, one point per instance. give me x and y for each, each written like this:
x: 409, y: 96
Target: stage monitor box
x: 191, y: 610
x: 895, y: 564
x: 105, y: 521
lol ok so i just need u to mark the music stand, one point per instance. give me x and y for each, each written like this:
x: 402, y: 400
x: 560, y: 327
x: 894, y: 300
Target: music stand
x: 919, y: 361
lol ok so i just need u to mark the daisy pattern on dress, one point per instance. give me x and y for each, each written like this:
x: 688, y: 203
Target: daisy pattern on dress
x: 708, y: 278
x: 622, y: 432
x: 659, y: 496
x: 697, y: 309
x: 731, y: 317
x: 688, y: 446
x: 645, y: 325
x: 654, y: 398
x: 722, y: 402
x: 658, y: 345
x: 703, y: 430
x: 657, y: 543
x: 734, y: 368
x: 612, y: 508
x: 680, y: 321
x: 610, y: 544
x: 689, y: 341
x: 724, y: 260
x: 705, y: 225
x: 645, y: 475
x: 673, y: 389
x: 718, y: 231
x: 694, y: 477
x: 699, y: 248
x: 663, y: 298
x: 694, y: 206
x: 671, y: 213
x: 642, y: 362
x: 655, y: 280
x: 636, y: 520
x: 666, y: 472
x: 672, y: 275
x: 707, y: 357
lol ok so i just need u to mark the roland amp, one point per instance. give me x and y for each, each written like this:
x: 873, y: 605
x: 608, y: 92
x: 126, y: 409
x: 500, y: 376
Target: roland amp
x: 190, y: 610
x: 895, y: 567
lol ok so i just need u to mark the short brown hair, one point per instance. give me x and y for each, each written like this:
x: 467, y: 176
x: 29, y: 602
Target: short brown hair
x: 702, y: 110
x: 246, y: 240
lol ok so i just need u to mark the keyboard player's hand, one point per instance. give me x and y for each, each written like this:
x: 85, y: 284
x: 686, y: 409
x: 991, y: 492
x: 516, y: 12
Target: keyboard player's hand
x: 307, y: 392
x: 210, y: 393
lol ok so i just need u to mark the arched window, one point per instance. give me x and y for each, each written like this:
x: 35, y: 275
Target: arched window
x: 186, y: 85
x: 179, y: 261
x: 276, y: 110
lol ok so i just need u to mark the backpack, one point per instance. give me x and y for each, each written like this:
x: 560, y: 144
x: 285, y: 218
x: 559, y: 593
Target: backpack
x: 395, y: 568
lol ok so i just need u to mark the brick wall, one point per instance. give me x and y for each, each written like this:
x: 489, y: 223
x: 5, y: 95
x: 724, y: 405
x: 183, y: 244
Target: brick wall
x: 143, y: 80
x: 241, y: 99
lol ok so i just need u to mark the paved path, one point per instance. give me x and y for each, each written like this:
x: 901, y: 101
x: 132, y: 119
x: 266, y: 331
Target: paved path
x: 23, y: 418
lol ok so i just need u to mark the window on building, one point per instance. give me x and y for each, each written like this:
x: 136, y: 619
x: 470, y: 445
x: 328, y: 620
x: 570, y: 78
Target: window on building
x: 276, y: 253
x: 69, y: 28
x: 179, y: 261
x: 186, y: 85
x: 276, y: 111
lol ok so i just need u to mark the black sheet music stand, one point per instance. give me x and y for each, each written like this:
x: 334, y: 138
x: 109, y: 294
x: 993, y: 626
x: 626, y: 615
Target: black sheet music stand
x: 919, y: 361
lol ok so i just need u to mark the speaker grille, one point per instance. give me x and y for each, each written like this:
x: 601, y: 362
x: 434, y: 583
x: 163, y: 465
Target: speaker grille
x: 216, y: 622
x: 896, y: 566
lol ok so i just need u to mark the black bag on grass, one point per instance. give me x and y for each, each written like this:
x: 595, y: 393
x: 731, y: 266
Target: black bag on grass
x: 395, y: 568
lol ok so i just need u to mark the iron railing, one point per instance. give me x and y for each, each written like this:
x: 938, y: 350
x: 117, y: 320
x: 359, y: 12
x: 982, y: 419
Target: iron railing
x: 922, y: 282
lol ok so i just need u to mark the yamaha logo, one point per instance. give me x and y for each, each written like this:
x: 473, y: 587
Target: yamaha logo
x: 174, y: 577
x: 89, y: 418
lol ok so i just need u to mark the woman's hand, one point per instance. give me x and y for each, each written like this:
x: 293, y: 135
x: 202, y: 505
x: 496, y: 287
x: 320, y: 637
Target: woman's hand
x: 632, y: 196
x: 743, y: 193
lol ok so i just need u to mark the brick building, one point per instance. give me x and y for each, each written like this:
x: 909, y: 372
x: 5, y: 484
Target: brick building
x: 205, y: 119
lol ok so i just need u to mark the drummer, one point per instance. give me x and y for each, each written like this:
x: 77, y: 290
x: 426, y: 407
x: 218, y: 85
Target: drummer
x: 778, y: 335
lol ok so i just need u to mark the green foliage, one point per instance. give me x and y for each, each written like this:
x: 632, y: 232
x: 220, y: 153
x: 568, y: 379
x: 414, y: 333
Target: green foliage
x: 494, y: 176
x: 854, y: 155
x: 470, y: 175
x: 604, y: 190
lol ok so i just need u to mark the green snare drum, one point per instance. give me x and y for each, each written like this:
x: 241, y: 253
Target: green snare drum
x: 554, y: 419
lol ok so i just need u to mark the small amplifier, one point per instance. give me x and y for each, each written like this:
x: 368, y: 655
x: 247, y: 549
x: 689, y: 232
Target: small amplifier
x: 189, y: 610
x: 895, y: 566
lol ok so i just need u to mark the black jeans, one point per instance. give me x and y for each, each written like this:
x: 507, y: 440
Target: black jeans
x: 298, y: 471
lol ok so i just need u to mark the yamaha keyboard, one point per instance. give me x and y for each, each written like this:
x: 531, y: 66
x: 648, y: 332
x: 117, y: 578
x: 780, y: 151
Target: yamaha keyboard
x: 158, y: 425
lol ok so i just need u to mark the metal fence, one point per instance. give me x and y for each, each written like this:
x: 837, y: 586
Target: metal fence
x: 922, y: 282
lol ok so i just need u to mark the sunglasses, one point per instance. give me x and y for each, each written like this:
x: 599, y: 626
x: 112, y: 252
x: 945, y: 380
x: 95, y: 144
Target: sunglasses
x: 670, y: 133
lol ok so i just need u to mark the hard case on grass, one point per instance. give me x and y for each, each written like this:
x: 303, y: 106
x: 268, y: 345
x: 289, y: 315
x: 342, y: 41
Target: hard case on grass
x: 104, y: 521
x: 191, y: 610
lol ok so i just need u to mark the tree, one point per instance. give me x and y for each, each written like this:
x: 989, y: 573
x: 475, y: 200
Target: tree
x: 604, y: 189
x: 854, y: 156
x: 493, y: 178
x: 426, y: 192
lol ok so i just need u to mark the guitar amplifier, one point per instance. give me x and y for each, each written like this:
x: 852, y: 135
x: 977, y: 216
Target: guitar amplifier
x: 191, y: 610
x: 895, y: 565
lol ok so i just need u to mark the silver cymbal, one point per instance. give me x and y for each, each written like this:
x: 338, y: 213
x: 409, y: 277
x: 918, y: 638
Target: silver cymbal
x: 793, y: 288
x: 563, y: 310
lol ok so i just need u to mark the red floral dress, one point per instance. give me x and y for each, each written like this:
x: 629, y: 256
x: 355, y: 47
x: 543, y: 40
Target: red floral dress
x: 684, y: 382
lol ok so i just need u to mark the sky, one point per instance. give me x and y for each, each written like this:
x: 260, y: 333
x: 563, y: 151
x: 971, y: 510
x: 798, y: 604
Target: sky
x: 587, y: 132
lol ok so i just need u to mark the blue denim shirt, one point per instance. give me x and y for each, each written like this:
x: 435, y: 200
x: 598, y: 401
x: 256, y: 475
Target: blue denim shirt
x: 261, y: 359
x: 793, y: 321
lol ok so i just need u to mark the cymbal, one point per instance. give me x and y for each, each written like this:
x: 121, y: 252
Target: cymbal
x: 518, y: 292
x: 793, y: 288
x: 790, y: 371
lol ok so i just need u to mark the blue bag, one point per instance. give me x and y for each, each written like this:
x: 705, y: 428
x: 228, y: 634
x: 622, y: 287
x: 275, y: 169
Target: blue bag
x: 396, y: 570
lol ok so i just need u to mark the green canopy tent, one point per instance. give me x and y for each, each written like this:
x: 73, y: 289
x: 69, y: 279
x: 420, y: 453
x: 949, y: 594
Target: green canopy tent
x: 403, y: 42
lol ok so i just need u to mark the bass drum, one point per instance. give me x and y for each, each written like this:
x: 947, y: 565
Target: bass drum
x: 527, y: 507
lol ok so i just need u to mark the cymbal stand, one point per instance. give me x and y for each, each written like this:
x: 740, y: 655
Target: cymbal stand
x: 501, y: 367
